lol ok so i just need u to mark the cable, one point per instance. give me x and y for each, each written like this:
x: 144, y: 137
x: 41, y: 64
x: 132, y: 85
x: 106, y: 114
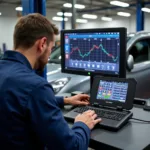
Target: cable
x: 141, y: 120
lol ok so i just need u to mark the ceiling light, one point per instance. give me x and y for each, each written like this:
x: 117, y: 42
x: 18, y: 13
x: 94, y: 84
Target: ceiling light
x: 125, y: 14
x: 60, y: 13
x: 19, y: 9
x: 59, y: 19
x: 69, y: 5
x: 78, y: 6
x: 81, y: 20
x: 89, y: 16
x: 146, y: 9
x: 0, y: 13
x: 119, y: 3
x: 106, y: 19
x: 67, y: 14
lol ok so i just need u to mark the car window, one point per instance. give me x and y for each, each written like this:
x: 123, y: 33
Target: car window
x: 128, y: 38
x: 130, y: 35
x: 140, y: 51
x: 55, y: 56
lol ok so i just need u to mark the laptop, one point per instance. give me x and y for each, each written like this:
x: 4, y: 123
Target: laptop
x: 111, y: 99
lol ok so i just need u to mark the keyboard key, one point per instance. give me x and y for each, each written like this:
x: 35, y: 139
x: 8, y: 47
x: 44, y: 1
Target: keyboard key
x: 103, y: 113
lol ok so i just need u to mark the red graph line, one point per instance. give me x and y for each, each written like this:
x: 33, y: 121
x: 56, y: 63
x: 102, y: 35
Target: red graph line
x: 94, y: 47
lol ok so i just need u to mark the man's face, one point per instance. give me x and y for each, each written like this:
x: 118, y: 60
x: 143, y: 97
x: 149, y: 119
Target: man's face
x: 43, y: 59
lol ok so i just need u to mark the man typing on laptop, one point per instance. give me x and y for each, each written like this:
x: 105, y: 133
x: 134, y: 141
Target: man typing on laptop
x: 30, y: 113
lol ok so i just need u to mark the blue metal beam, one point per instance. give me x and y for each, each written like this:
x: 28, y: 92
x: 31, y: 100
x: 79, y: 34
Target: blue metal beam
x: 146, y: 3
x: 35, y: 6
x: 28, y: 7
x: 40, y: 6
x: 63, y: 21
x: 73, y: 18
x: 139, y: 16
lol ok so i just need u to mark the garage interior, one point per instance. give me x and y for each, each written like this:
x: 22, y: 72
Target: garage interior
x: 103, y: 46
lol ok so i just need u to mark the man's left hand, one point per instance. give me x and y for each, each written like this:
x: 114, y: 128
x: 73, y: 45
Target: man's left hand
x: 80, y: 99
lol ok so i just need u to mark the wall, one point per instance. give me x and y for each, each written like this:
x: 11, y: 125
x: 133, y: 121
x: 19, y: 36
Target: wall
x: 9, y: 19
x: 147, y: 22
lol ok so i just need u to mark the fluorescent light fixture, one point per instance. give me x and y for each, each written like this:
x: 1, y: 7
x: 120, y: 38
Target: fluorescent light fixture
x: 78, y: 6
x: 146, y: 9
x: 119, y: 3
x: 89, y: 16
x: 125, y: 14
x: 19, y: 9
x: 60, y: 13
x: 0, y: 13
x: 69, y: 5
x: 59, y: 19
x: 67, y: 14
x: 106, y: 19
x: 81, y: 20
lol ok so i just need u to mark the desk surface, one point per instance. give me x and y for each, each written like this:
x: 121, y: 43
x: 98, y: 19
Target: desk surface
x: 133, y: 136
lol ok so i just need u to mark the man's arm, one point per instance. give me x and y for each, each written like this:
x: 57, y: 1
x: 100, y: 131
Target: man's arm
x: 49, y: 124
x: 60, y: 101
x: 80, y: 99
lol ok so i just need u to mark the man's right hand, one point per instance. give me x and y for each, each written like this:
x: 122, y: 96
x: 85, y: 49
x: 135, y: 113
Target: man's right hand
x: 89, y: 118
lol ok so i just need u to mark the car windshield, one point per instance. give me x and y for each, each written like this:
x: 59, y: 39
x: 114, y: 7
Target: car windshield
x: 128, y: 38
x: 56, y: 53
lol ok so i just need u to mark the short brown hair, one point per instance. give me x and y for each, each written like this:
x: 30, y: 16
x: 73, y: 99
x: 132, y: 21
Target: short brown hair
x: 32, y: 27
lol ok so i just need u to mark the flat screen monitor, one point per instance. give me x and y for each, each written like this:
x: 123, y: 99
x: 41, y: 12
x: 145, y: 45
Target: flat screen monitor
x: 94, y: 51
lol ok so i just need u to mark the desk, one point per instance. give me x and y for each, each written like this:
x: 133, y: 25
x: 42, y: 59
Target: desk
x: 133, y: 136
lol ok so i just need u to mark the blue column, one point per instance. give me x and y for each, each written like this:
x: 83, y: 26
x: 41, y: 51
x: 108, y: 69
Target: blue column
x: 73, y: 18
x: 139, y: 16
x: 28, y: 7
x: 63, y: 21
x: 40, y: 6
x: 35, y: 6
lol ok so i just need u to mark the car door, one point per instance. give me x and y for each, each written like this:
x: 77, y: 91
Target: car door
x: 140, y: 51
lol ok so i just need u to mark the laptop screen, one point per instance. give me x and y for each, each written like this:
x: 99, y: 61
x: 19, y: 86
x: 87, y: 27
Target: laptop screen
x: 114, y: 91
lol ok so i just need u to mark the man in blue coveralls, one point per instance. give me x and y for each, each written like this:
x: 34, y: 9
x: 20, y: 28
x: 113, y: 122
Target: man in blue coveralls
x: 30, y: 114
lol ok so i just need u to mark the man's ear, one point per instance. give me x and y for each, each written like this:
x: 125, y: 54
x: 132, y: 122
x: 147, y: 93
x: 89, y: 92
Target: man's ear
x: 42, y: 43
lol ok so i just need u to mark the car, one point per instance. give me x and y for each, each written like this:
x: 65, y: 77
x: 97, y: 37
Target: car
x: 137, y: 66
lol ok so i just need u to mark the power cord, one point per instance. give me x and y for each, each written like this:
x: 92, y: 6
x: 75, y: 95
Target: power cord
x: 141, y: 120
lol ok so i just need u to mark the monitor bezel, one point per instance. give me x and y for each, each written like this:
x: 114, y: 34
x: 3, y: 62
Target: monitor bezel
x: 122, y: 65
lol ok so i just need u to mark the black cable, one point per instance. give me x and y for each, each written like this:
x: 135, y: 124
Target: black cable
x: 141, y: 120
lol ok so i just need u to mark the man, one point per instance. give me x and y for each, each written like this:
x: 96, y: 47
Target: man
x: 30, y: 115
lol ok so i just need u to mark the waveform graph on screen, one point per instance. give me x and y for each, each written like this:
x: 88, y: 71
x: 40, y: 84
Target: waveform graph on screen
x: 94, y: 49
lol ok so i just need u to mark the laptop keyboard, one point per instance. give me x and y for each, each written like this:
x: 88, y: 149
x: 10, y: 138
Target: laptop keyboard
x: 103, y: 113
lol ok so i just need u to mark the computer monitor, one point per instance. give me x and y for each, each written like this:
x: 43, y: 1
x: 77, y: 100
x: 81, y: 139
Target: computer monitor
x: 94, y: 52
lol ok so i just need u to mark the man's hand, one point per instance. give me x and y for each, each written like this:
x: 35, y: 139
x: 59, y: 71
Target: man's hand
x: 89, y: 118
x: 80, y: 99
